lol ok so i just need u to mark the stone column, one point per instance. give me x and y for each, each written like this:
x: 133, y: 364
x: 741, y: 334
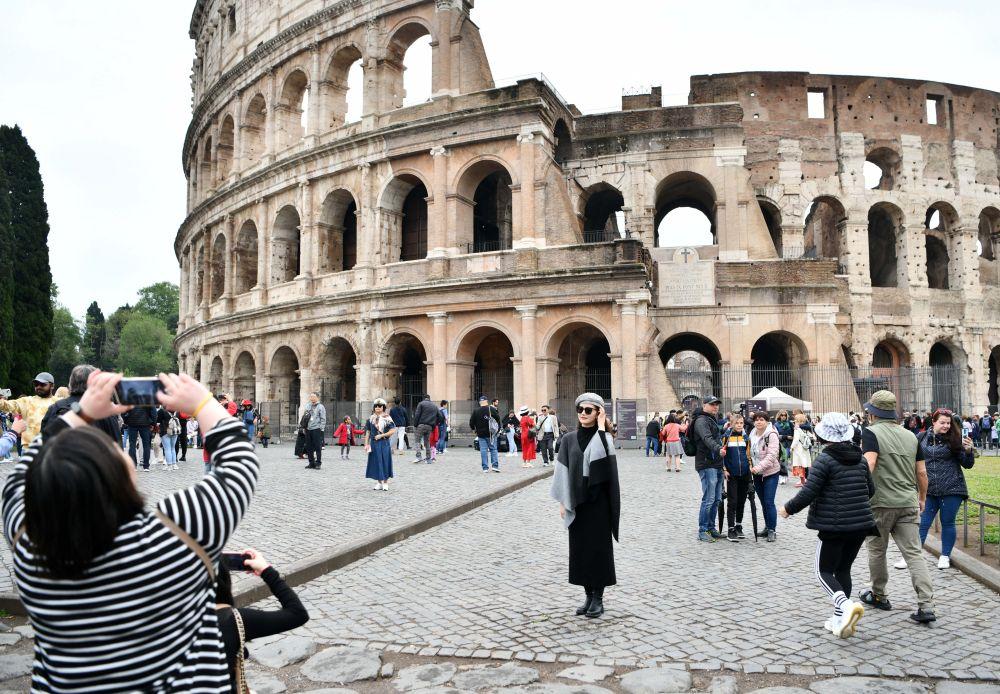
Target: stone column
x: 270, y: 127
x: 529, y: 370
x: 629, y: 373
x: 261, y: 382
x: 437, y: 213
x: 524, y: 233
x: 367, y: 241
x: 263, y: 249
x: 441, y: 70
x: 312, y: 124
x: 911, y: 257
x: 855, y: 255
x: 237, y: 163
x: 307, y: 238
x: 230, y: 264
x: 437, y: 377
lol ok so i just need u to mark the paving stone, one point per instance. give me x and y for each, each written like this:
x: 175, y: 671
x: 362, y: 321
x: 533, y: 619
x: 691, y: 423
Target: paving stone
x: 866, y: 685
x: 387, y: 671
x: 331, y: 690
x: 506, y: 675
x: 12, y: 666
x: 587, y: 673
x: 887, y: 671
x: 263, y: 683
x: 9, y: 639
x: 342, y: 665
x: 780, y: 690
x: 551, y: 688
x: 424, y: 676
x: 284, y: 651
x: 867, y: 669
x: 659, y: 680
x: 752, y: 668
x: 723, y: 685
x: 948, y: 687
x: 807, y: 670
x: 25, y: 630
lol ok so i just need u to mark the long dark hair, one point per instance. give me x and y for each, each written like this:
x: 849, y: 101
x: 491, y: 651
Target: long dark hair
x: 77, y: 493
x: 954, y: 436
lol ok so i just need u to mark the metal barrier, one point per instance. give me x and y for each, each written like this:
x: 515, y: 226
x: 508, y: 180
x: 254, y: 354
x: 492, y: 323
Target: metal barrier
x: 982, y: 524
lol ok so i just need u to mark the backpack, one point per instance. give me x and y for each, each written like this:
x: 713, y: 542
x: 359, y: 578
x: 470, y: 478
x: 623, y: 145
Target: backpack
x: 688, y: 442
x: 494, y: 426
x: 174, y: 426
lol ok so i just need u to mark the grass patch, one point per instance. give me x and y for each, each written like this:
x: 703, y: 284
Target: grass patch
x: 983, y: 480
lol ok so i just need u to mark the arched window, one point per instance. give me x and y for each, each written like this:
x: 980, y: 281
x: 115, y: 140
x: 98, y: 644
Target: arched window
x: 777, y: 358
x: 286, y: 387
x: 823, y: 228
x: 245, y: 258
x: 694, y: 367
x: 884, y: 226
x: 414, y: 224
x: 403, y: 207
x: 939, y: 221
x: 772, y: 218
x: 293, y: 109
x: 351, y: 236
x: 224, y: 154
x: 409, y: 53
x: 338, y: 375
x: 207, y: 177
x: 564, y: 142
x: 584, y: 364
x: 490, y: 219
x: 603, y: 219
x: 989, y: 227
x: 685, y: 211
x: 231, y: 21
x: 285, y: 246
x: 338, y: 232
x: 881, y: 169
x: 344, y: 87
x: 218, y: 268
x: 252, y: 130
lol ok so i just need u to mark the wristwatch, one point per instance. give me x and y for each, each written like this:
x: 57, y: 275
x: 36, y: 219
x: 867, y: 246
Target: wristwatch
x: 78, y: 411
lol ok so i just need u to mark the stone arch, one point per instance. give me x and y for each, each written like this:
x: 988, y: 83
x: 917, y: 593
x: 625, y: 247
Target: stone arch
x: 993, y: 370
x: 583, y: 353
x: 885, y: 238
x: 293, y: 107
x: 402, y: 363
x: 772, y: 218
x: 601, y: 204
x: 403, y: 205
x: 947, y: 362
x: 252, y: 130
x: 940, y: 221
x: 337, y: 370
x: 224, y: 151
x: 887, y: 164
x: 338, y: 231
x: 286, y: 243
x: 484, y: 354
x: 216, y: 372
x: 401, y: 38
x: 207, y: 175
x: 890, y: 353
x: 989, y: 229
x: 339, y: 102
x: 286, y: 384
x: 245, y: 377
x: 777, y: 359
x: 563, y: 142
x: 218, y: 268
x: 824, y: 228
x: 245, y: 258
x: 556, y: 333
x: 693, y: 193
x: 485, y: 204
x: 692, y: 377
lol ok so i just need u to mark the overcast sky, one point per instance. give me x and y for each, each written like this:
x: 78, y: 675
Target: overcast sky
x: 101, y: 89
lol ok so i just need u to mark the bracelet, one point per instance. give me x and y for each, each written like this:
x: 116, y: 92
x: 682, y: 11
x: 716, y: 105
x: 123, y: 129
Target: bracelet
x: 201, y: 405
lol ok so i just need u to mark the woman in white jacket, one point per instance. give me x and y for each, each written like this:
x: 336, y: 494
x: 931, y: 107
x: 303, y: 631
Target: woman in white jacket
x: 800, y: 450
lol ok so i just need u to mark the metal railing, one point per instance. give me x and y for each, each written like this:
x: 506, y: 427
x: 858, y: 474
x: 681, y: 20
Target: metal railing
x: 983, y: 515
x: 601, y: 236
x: 489, y: 246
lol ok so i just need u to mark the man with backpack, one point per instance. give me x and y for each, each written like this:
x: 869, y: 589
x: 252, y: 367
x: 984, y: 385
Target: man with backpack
x: 706, y: 441
x: 485, y: 421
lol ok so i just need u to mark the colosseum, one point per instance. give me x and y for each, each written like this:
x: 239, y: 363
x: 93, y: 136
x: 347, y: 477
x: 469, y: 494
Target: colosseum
x: 493, y: 238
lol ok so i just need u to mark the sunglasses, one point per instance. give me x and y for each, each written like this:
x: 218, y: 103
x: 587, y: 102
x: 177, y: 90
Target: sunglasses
x: 587, y: 410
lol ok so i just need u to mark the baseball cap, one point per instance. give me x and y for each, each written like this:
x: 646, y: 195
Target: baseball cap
x: 44, y: 377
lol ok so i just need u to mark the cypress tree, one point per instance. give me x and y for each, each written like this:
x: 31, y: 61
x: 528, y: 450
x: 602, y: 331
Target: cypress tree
x: 94, y: 334
x: 32, y: 275
x: 7, y: 257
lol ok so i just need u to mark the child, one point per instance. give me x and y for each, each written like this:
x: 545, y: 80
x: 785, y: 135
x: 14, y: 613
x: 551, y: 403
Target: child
x: 264, y: 431
x: 801, y: 443
x: 738, y: 477
x: 837, y: 492
x: 345, y: 434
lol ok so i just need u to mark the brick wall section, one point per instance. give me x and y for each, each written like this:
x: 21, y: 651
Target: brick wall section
x: 784, y: 273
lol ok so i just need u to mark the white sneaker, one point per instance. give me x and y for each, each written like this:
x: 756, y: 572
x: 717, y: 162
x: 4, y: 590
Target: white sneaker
x: 782, y: 480
x: 385, y: 486
x: 849, y: 622
x: 832, y: 625
x: 901, y: 564
x: 378, y: 487
x: 944, y: 562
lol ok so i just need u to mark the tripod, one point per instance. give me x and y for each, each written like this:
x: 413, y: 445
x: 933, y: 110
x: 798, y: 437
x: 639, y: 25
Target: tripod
x: 752, y: 498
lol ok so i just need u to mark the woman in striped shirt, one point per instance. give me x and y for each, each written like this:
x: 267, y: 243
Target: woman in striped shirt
x: 122, y: 599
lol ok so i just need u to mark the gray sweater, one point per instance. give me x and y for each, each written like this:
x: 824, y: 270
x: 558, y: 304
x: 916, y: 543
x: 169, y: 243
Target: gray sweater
x: 317, y: 416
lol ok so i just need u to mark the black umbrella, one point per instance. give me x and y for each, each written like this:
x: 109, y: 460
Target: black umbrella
x: 753, y: 509
x: 722, y: 509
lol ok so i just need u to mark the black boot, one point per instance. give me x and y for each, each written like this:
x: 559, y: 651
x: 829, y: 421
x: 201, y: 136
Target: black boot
x: 596, y: 604
x: 582, y: 609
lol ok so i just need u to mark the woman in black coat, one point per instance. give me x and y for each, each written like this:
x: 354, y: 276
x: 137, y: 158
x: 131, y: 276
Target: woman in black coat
x: 838, y: 493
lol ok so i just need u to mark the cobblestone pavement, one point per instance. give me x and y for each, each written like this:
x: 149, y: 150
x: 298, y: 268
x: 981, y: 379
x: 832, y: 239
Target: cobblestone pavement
x: 492, y: 584
x: 298, y: 513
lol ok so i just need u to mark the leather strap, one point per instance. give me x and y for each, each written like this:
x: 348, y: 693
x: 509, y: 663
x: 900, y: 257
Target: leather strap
x: 189, y: 541
x: 241, y: 675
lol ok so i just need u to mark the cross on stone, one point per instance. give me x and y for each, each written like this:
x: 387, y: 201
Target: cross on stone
x: 686, y: 252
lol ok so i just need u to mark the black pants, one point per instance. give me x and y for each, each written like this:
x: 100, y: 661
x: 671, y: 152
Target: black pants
x: 145, y: 434
x: 264, y: 440
x: 835, y: 554
x: 314, y: 447
x: 737, y: 488
x: 548, y: 455
x: 182, y: 442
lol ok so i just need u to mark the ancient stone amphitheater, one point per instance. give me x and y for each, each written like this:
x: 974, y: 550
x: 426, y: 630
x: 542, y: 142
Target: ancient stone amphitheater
x: 493, y: 238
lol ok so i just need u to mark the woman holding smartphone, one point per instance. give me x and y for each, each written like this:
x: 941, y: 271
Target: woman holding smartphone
x: 586, y: 486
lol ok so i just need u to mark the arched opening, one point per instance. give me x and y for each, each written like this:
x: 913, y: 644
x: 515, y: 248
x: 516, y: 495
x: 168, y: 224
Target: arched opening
x: 989, y: 226
x: 937, y: 263
x: 890, y: 354
x: 772, y: 218
x: 218, y: 279
x: 224, y: 154
x: 881, y: 169
x: 825, y: 221
x: 292, y: 109
x: 777, y: 362
x: 199, y: 281
x: 408, y: 65
x: 338, y: 225
x: 694, y: 368
x: 685, y: 211
x: 245, y: 377
x: 490, y: 218
x: 285, y: 246
x: 584, y: 365
x: 207, y: 178
x: 215, y: 376
x: 603, y: 219
x: 406, y: 369
x: 492, y: 370
x: 252, y: 130
x: 245, y: 258
x: 286, y: 386
x: 884, y: 227
x: 414, y: 224
x: 564, y: 142
x: 889, y: 359
x: 338, y: 380
x: 993, y: 390
x: 945, y: 377
x: 344, y: 87
x: 405, y: 217
x: 939, y: 221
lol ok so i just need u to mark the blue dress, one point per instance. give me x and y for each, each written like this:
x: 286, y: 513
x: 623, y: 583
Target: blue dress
x: 380, y: 459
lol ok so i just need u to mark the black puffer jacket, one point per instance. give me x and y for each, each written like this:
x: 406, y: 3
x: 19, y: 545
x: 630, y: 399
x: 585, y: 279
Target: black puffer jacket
x: 707, y: 437
x: 944, y: 466
x: 837, y: 491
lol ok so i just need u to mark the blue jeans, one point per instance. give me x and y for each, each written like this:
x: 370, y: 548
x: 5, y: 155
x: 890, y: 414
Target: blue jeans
x: 654, y: 443
x: 251, y: 429
x: 442, y: 435
x: 490, y: 445
x: 711, y: 496
x: 169, y: 448
x: 948, y: 507
x: 766, y: 488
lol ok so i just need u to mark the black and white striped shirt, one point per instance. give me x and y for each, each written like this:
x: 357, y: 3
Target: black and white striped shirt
x: 143, y: 615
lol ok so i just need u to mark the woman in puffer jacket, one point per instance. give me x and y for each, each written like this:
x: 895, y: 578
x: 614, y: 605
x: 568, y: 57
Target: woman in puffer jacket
x: 837, y: 492
x: 764, y: 452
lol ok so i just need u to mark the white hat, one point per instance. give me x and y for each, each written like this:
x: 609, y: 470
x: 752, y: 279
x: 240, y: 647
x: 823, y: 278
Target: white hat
x: 835, y: 428
x: 523, y: 411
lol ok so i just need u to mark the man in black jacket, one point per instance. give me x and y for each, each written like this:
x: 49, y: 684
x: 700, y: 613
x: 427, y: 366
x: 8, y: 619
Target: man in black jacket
x: 425, y: 418
x: 653, y: 435
x: 485, y: 421
x: 139, y: 422
x: 708, y: 461
x: 77, y: 387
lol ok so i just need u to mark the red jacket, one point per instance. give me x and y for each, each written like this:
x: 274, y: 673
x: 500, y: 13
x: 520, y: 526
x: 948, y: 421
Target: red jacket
x: 345, y: 434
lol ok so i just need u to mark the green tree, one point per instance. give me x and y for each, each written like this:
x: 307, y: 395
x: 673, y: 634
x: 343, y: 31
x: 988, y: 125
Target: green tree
x: 29, y: 224
x: 162, y: 300
x: 7, y: 256
x: 145, y: 347
x: 94, y: 334
x: 66, y: 339
x: 113, y: 327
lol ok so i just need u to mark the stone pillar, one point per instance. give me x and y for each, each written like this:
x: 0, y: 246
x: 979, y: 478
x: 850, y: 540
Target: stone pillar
x: 261, y: 382
x: 442, y: 58
x: 629, y: 375
x: 263, y: 248
x: 529, y: 370
x: 855, y: 254
x: 230, y: 263
x: 270, y: 127
x: 307, y: 237
x: 524, y: 233
x: 911, y: 257
x: 437, y: 376
x: 545, y: 386
x: 438, y: 245
x: 312, y: 123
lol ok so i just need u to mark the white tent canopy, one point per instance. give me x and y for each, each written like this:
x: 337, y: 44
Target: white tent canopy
x: 779, y: 400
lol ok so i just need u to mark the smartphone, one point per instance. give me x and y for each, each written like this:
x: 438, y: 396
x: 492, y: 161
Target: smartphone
x: 4, y: 392
x: 234, y: 561
x: 139, y: 392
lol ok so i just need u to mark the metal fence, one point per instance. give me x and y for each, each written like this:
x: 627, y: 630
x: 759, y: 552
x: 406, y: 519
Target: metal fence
x: 828, y: 388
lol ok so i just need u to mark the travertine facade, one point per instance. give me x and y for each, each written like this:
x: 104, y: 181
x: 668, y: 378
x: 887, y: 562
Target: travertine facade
x: 472, y: 242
